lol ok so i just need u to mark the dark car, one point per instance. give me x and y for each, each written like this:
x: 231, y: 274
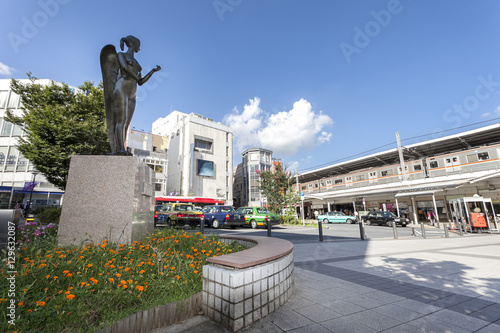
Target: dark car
x: 384, y: 218
x: 218, y: 216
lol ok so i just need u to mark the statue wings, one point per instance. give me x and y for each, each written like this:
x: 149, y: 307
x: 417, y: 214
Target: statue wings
x: 109, y: 69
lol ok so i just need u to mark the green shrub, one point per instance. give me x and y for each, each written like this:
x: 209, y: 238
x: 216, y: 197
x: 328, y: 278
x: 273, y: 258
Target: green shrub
x: 49, y: 215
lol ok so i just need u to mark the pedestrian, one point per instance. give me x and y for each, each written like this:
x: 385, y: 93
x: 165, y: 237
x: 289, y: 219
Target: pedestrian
x: 26, y: 208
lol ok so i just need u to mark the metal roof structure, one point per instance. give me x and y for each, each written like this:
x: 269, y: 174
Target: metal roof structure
x: 488, y: 135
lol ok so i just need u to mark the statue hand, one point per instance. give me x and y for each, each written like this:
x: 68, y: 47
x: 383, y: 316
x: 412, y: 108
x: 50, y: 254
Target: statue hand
x: 158, y: 68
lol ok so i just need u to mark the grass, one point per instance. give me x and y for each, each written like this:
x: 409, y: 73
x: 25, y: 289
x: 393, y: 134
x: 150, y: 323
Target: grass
x: 70, y: 289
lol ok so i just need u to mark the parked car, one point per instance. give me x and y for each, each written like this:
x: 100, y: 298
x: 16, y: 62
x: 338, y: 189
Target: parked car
x: 179, y: 214
x: 217, y: 216
x: 157, y: 209
x: 336, y: 217
x: 258, y: 216
x: 161, y: 214
x: 384, y: 218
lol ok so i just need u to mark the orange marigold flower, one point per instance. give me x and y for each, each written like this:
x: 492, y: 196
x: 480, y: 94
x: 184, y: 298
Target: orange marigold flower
x: 68, y: 292
x: 142, y: 271
x: 69, y: 275
x: 118, y: 275
x: 56, y: 277
x: 111, y: 280
x: 65, y: 272
x: 83, y: 283
x: 89, y: 265
x: 95, y: 281
x: 40, y: 303
x: 70, y: 296
x: 48, y: 276
x: 127, y: 269
x: 196, y: 272
x: 140, y: 288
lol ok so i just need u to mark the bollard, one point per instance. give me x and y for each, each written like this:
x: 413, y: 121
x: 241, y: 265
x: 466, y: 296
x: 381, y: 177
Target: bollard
x: 459, y: 227
x: 362, y: 230
x: 446, y: 234
x: 413, y: 230
x: 320, y: 227
x: 269, y: 225
x: 437, y: 223
x: 422, y: 228
x: 394, y: 230
x: 202, y: 226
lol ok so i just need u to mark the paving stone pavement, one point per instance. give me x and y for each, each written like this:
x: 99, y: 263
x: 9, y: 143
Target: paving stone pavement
x: 447, y: 285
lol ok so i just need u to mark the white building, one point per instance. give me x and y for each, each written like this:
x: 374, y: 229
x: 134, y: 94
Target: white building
x: 254, y: 160
x: 16, y: 172
x: 152, y: 150
x: 200, y: 156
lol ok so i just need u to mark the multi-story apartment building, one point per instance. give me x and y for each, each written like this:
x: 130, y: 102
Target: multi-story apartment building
x: 200, y: 155
x: 253, y: 161
x: 16, y: 172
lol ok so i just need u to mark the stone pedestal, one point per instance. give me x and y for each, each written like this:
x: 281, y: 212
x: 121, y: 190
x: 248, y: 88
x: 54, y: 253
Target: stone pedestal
x: 107, y: 197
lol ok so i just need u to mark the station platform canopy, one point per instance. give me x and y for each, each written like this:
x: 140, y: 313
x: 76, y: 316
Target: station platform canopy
x: 484, y: 136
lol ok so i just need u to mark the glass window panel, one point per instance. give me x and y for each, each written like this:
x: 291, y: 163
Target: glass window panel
x: 6, y: 129
x: 17, y: 130
x: 472, y: 158
x: 483, y: 156
x: 3, y: 155
x: 4, y: 95
x: 13, y: 101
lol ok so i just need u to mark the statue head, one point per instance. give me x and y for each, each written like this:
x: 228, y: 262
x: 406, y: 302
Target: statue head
x: 131, y: 42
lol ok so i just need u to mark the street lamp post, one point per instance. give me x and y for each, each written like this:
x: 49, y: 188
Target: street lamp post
x: 31, y: 193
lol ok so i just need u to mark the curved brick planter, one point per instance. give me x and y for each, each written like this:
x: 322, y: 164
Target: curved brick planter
x: 238, y: 289
x: 243, y: 287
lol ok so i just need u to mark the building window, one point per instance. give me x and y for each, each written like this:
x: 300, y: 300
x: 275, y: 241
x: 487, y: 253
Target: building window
x: 6, y: 128
x: 4, y: 95
x: 159, y: 168
x: 433, y: 164
x: 483, y: 156
x: 158, y: 187
x: 205, y: 168
x: 202, y: 144
x: 13, y: 101
x: 386, y: 173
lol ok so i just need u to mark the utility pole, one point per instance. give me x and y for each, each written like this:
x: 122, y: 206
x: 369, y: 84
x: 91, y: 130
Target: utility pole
x: 401, y: 158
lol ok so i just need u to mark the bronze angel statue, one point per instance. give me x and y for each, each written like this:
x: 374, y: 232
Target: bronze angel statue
x: 121, y: 74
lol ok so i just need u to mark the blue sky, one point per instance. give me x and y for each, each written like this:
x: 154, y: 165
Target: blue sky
x: 314, y: 81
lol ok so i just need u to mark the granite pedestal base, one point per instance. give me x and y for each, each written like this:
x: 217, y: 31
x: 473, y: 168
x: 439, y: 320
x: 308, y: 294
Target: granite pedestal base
x: 107, y: 197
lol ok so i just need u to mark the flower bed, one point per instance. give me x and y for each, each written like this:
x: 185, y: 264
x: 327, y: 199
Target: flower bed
x: 69, y: 289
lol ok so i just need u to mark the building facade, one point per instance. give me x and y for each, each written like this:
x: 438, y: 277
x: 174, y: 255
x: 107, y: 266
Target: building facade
x: 152, y: 150
x: 253, y: 161
x: 200, y: 155
x: 16, y: 172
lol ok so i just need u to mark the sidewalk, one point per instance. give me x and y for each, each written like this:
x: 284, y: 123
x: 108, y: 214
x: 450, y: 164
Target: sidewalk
x: 415, y: 285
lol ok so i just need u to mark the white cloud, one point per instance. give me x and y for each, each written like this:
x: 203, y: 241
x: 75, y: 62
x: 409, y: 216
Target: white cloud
x: 284, y: 132
x: 5, y: 70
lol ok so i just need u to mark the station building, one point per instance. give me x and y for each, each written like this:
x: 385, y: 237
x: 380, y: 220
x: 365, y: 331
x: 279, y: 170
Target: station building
x: 412, y: 180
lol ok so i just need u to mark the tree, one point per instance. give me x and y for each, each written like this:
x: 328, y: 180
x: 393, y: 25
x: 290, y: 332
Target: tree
x: 276, y: 186
x: 59, y: 122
